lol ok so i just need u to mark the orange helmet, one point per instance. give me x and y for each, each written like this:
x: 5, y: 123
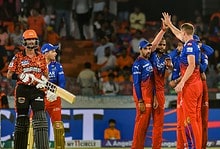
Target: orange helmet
x: 30, y: 34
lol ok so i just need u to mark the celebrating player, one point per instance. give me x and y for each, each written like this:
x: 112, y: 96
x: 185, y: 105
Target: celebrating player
x: 142, y: 72
x: 53, y: 103
x: 205, y: 52
x: 190, y: 84
x: 175, y: 78
x: 162, y: 64
x: 24, y: 66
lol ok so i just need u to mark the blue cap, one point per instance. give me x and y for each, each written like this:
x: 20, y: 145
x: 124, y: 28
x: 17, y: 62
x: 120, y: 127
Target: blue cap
x: 144, y: 44
x: 196, y: 38
x: 48, y: 47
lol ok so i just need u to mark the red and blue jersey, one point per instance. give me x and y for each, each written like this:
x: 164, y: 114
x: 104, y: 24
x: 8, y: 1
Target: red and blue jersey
x: 191, y: 48
x: 142, y: 72
x: 204, y: 62
x: 159, y: 68
x: 56, y: 74
x: 175, y: 57
x: 207, y: 51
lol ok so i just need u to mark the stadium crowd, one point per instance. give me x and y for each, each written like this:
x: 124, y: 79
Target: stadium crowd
x: 115, y: 37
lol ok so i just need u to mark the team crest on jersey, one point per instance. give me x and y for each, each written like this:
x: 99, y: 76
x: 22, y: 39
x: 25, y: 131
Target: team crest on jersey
x: 189, y: 49
x: 24, y: 62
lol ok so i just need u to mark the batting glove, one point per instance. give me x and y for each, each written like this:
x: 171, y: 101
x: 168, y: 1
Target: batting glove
x: 43, y: 83
x: 51, y: 96
x: 27, y: 78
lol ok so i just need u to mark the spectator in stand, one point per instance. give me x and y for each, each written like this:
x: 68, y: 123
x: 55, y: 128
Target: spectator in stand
x: 62, y: 10
x: 122, y: 10
x: 6, y: 86
x: 3, y: 60
x: 52, y: 36
x: 214, y: 31
x: 3, y: 36
x: 112, y: 133
x: 87, y: 80
x: 15, y: 38
x: 108, y: 16
x: 126, y: 86
x: 124, y: 59
x: 82, y: 12
x: 3, y: 101
x: 100, y: 50
x: 135, y: 42
x: 36, y: 22
x: 217, y: 79
x: 200, y: 27
x: 110, y: 87
x: 22, y: 18
x: 49, y: 16
x: 137, y: 19
x: 109, y: 59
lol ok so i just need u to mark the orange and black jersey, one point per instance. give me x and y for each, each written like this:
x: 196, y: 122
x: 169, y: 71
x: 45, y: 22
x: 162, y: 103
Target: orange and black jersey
x: 21, y: 63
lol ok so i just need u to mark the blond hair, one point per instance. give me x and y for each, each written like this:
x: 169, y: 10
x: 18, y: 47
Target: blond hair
x: 188, y: 28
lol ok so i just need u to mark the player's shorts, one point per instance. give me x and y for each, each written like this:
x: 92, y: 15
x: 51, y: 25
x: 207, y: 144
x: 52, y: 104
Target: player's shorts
x: 26, y: 96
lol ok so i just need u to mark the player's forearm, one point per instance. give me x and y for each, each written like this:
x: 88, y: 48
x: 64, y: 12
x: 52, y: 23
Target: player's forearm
x: 157, y: 39
x: 175, y: 31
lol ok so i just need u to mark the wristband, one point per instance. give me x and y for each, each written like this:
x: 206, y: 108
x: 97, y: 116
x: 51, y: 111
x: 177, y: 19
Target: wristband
x: 140, y: 101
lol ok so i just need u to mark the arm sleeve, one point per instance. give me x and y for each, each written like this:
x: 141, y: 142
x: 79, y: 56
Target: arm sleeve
x: 207, y: 49
x: 136, y: 72
x: 203, y: 63
x: 106, y: 136
x: 118, y: 136
x: 61, y: 76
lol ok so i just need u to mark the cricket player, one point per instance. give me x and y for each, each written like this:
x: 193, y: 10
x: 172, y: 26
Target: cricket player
x: 162, y: 64
x: 142, y: 73
x: 24, y: 66
x: 175, y: 78
x: 53, y: 103
x: 190, y: 84
x: 206, y: 51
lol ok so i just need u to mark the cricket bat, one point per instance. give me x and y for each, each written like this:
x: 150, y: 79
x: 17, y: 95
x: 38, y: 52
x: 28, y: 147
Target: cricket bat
x: 64, y: 94
x: 30, y: 136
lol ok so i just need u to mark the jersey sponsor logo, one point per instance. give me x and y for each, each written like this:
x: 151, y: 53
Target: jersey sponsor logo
x: 52, y: 74
x: 189, y: 49
x: 136, y: 72
x: 149, y: 69
x: 24, y: 62
x: 39, y: 99
x: 21, y: 99
x: 32, y: 69
x: 136, y: 67
x: 60, y: 73
x: 160, y: 66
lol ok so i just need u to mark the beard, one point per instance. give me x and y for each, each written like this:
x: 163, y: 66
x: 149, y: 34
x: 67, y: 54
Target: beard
x: 146, y: 55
